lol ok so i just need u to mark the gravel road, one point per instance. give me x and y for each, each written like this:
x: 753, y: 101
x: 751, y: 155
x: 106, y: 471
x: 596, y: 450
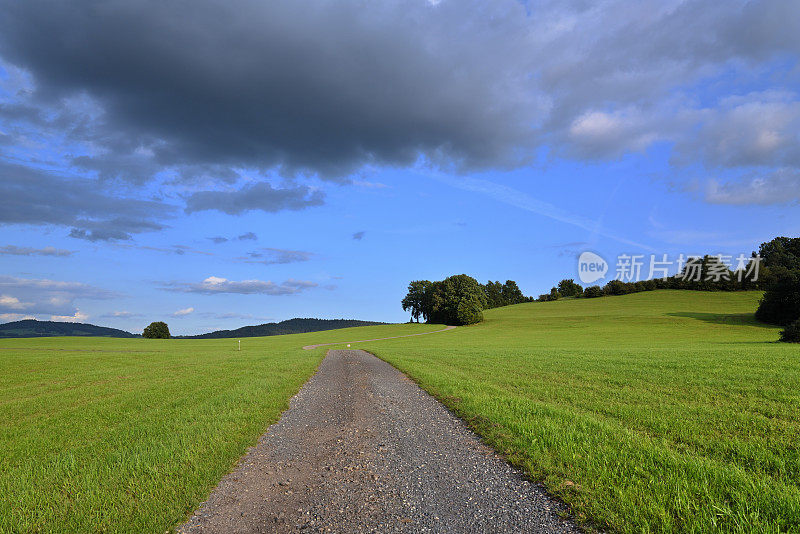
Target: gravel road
x: 363, y: 449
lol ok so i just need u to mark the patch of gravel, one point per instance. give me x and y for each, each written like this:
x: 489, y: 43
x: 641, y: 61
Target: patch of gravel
x: 363, y: 449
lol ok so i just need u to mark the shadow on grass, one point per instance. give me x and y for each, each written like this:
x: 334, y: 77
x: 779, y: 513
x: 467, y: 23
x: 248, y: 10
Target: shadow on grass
x: 740, y: 319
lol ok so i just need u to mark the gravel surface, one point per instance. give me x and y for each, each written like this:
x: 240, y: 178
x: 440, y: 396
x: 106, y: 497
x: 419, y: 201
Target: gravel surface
x: 363, y: 449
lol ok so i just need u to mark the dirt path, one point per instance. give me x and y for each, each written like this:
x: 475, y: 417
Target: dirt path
x: 445, y: 329
x: 363, y: 449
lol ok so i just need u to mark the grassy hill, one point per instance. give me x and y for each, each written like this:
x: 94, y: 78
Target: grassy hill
x: 659, y: 411
x: 130, y: 435
x: 34, y: 328
x: 290, y: 326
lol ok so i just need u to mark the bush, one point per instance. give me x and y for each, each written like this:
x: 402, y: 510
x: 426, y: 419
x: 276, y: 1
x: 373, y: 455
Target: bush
x: 156, y: 330
x: 592, y: 292
x: 791, y: 334
x: 469, y: 312
x: 781, y: 301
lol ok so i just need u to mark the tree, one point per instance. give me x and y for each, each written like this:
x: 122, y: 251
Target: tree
x: 156, y: 330
x: 416, y: 300
x: 781, y: 301
x: 511, y: 293
x: 568, y: 288
x: 592, y: 292
x: 494, y: 294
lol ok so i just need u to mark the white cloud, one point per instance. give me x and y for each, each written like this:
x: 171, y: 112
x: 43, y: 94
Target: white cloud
x: 77, y: 317
x: 781, y: 186
x: 184, y: 312
x: 8, y: 317
x: 46, y: 297
x: 13, y: 303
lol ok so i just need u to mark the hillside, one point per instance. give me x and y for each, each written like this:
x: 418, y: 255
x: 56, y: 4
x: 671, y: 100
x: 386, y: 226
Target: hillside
x: 34, y: 328
x: 662, y: 411
x: 290, y: 326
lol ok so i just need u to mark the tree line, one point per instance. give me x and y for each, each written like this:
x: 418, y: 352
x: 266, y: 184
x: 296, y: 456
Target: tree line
x: 706, y: 273
x: 458, y: 300
x: 779, y: 277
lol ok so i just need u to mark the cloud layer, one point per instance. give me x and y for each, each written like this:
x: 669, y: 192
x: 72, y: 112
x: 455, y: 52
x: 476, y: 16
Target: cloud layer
x: 237, y: 105
x: 214, y: 285
x: 43, y: 297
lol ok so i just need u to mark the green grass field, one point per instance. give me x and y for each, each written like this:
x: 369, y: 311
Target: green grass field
x: 130, y: 435
x: 659, y: 411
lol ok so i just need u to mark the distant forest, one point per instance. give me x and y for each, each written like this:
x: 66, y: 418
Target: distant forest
x: 34, y: 328
x: 290, y: 326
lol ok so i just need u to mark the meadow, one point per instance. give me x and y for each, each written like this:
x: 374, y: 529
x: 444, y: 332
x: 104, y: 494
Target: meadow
x: 665, y: 411
x: 130, y: 435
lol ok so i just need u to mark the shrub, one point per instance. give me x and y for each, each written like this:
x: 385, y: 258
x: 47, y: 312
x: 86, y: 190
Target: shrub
x: 156, y: 330
x: 791, y: 334
x: 469, y: 311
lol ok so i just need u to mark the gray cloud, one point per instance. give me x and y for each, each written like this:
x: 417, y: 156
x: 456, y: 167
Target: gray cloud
x: 248, y: 236
x: 33, y: 196
x: 46, y: 297
x: 222, y: 91
x: 358, y: 236
x: 214, y: 285
x: 781, y: 186
x: 276, y: 256
x: 259, y: 196
x: 14, y: 250
x: 218, y: 240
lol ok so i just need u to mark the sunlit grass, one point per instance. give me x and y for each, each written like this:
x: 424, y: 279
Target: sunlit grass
x: 130, y: 435
x: 658, y: 411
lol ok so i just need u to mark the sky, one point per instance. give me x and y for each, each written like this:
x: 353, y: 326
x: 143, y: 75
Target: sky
x: 218, y: 164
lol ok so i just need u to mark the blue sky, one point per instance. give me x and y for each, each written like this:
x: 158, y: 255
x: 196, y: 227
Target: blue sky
x: 277, y: 177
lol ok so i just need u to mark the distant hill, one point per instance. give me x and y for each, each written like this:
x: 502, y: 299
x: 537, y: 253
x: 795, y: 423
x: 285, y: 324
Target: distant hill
x: 34, y: 328
x: 290, y: 326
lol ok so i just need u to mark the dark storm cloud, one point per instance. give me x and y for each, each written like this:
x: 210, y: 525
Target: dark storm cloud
x: 207, y: 89
x: 260, y: 196
x: 33, y: 196
x: 319, y: 86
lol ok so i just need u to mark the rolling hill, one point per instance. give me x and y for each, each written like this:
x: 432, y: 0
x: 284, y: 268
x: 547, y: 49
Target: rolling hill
x: 290, y: 326
x: 34, y: 328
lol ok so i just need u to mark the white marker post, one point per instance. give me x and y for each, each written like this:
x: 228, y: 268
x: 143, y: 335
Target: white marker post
x: 348, y: 345
x: 240, y: 344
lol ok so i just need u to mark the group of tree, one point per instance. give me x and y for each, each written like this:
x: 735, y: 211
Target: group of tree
x: 701, y: 273
x: 459, y: 299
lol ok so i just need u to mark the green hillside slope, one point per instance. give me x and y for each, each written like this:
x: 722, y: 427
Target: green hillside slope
x: 659, y: 411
